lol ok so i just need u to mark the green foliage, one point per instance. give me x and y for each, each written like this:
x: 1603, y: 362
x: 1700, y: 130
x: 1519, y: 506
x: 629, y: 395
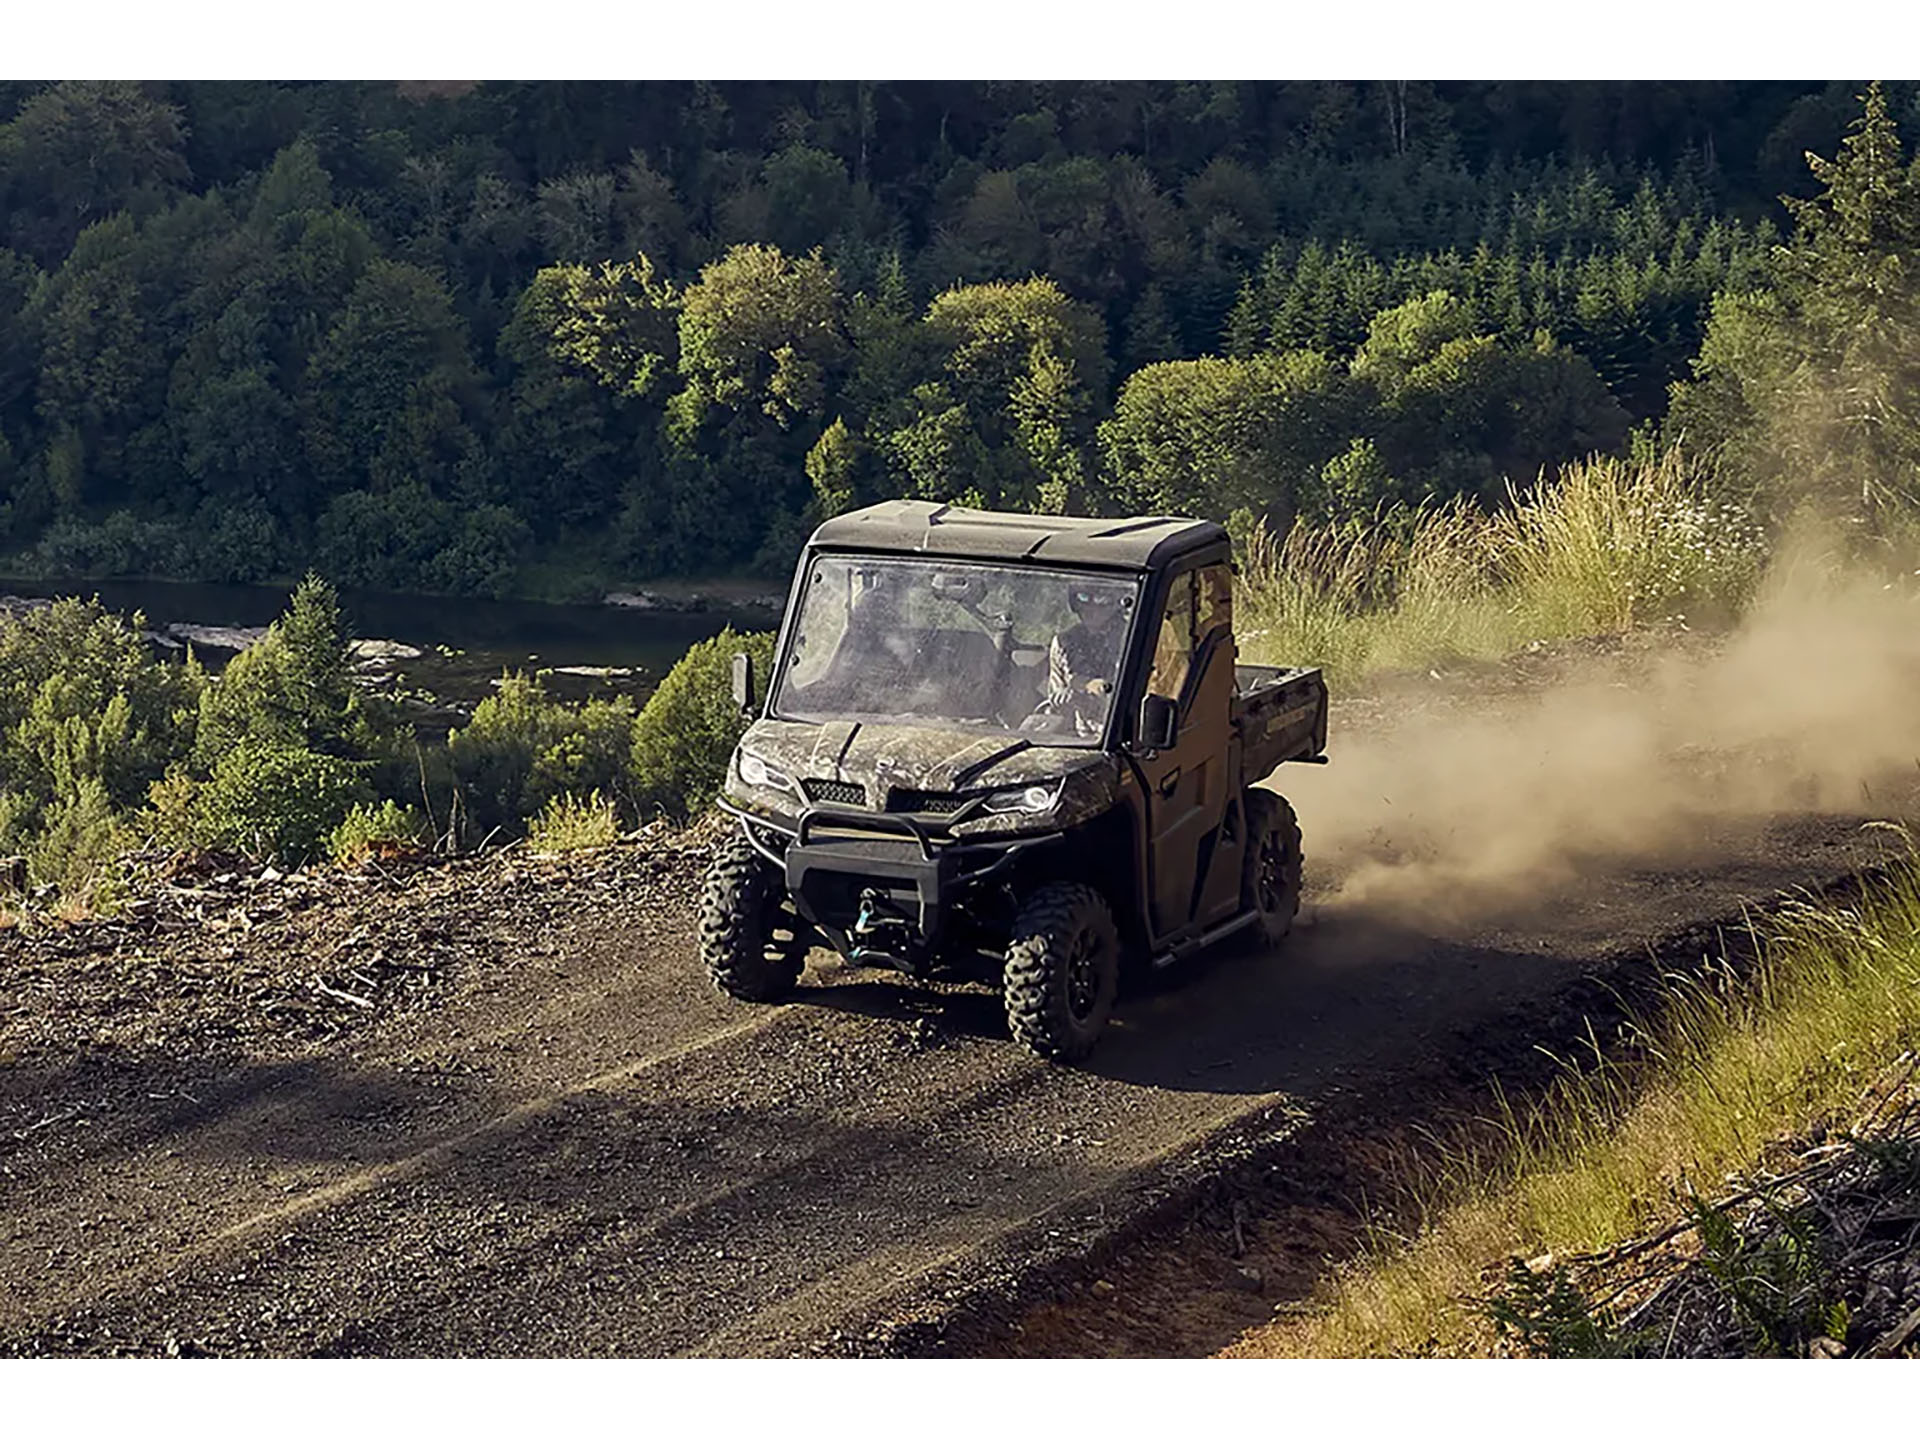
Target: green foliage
x: 1005, y: 418
x: 294, y: 689
x: 1599, y: 549
x: 81, y: 149
x: 1777, y: 1282
x: 83, y: 704
x: 82, y: 836
x: 760, y: 332
x: 1214, y: 436
x: 685, y: 734
x: 522, y: 749
x: 410, y: 336
x: 1549, y: 1317
x: 834, y: 468
x: 571, y: 823
x: 377, y: 831
x: 616, y: 322
x: 1467, y: 412
x: 1812, y: 386
x: 274, y: 801
x: 1607, y: 546
x: 393, y: 395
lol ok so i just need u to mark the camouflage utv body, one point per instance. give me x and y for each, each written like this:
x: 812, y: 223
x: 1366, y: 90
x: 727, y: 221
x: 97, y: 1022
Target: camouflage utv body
x: 1013, y: 746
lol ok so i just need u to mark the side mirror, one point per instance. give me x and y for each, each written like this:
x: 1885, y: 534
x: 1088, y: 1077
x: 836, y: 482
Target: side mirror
x: 1159, y: 722
x: 743, y: 682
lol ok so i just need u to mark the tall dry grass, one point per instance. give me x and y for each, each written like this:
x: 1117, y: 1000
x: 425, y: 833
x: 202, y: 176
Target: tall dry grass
x: 1605, y: 546
x: 1727, y: 1064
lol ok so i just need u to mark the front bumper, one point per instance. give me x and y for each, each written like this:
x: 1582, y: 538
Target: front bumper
x: 877, y: 884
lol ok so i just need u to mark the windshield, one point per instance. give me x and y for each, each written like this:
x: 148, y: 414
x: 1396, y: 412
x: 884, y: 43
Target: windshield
x: 1000, y: 647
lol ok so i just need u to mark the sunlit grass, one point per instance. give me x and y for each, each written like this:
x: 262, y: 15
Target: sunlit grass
x: 1726, y: 1065
x: 572, y: 823
x: 1603, y: 548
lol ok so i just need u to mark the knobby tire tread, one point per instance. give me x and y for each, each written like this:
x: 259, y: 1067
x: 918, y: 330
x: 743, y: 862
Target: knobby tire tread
x: 738, y: 900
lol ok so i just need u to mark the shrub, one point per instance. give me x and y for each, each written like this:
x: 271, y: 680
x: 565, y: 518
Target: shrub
x: 81, y: 697
x: 685, y: 734
x: 80, y: 840
x: 277, y: 802
x: 570, y: 823
x: 293, y: 688
x: 121, y: 544
x: 522, y: 749
x: 383, y: 831
x: 17, y: 812
x: 169, y: 817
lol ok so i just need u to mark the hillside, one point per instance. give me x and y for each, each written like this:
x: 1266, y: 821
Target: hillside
x: 552, y: 338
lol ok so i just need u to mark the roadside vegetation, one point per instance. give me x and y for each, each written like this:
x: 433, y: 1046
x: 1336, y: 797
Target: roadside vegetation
x: 1452, y: 398
x: 1607, y: 546
x: 106, y: 749
x: 1716, y: 1077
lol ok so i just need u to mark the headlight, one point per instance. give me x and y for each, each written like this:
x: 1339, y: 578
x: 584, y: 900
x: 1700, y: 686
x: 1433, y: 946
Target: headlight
x: 1024, y: 800
x: 756, y: 771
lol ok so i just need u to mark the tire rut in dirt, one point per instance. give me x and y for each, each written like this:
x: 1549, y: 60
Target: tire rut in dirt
x: 589, y: 1230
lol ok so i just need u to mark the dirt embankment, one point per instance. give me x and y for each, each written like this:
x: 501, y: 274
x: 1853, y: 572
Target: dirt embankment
x: 491, y: 1107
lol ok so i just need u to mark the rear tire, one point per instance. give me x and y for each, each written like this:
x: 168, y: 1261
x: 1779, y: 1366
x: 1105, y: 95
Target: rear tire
x: 1063, y: 971
x: 740, y: 920
x: 1270, y: 879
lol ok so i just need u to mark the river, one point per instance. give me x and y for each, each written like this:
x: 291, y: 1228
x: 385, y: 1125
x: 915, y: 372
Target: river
x: 464, y: 645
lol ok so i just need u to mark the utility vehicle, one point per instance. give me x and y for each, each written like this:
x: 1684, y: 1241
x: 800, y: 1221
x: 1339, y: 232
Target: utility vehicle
x: 1016, y: 747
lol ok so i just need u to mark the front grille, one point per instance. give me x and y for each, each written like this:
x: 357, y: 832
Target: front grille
x: 835, y: 792
x: 927, y: 802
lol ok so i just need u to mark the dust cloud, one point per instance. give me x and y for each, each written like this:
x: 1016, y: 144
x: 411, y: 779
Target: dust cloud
x: 1463, y: 805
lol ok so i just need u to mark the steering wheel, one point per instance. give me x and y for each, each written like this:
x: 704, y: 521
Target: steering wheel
x: 1041, y: 722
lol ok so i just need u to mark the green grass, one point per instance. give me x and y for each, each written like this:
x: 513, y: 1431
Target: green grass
x: 1727, y: 1065
x: 1604, y: 547
x: 572, y: 823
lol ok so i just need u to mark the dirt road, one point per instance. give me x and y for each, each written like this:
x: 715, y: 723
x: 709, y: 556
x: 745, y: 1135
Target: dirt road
x: 567, y: 1145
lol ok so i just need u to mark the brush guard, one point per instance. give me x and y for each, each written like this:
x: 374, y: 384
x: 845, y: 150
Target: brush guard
x: 879, y: 887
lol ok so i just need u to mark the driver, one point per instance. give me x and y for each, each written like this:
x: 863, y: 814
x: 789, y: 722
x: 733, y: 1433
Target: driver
x: 1080, y: 661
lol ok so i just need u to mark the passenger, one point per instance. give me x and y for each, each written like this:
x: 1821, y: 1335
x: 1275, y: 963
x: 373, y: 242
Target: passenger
x: 1081, y: 661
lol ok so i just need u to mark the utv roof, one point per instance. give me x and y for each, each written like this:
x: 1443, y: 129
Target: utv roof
x: 923, y: 526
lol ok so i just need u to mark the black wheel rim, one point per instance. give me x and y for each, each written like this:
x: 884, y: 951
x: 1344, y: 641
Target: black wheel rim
x: 1083, y: 975
x: 1273, y: 871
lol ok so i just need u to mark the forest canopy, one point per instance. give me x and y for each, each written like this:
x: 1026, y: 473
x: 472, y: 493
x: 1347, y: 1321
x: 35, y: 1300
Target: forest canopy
x: 481, y: 338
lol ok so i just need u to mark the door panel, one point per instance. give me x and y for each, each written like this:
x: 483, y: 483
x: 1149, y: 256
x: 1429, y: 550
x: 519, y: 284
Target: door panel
x: 1187, y: 784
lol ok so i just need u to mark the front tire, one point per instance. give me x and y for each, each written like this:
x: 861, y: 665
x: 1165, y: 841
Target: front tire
x: 1063, y: 971
x: 1270, y: 879
x: 740, y: 920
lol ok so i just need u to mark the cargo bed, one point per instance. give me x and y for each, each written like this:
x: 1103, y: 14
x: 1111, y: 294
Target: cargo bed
x: 1279, y: 714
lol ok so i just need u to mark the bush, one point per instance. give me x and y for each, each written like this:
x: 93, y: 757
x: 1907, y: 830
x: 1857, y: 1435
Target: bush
x: 277, y: 802
x: 570, y: 823
x: 80, y: 698
x: 121, y: 544
x: 382, y: 832
x: 80, y: 840
x: 522, y: 749
x: 685, y: 735
x: 294, y: 688
x: 168, y: 819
